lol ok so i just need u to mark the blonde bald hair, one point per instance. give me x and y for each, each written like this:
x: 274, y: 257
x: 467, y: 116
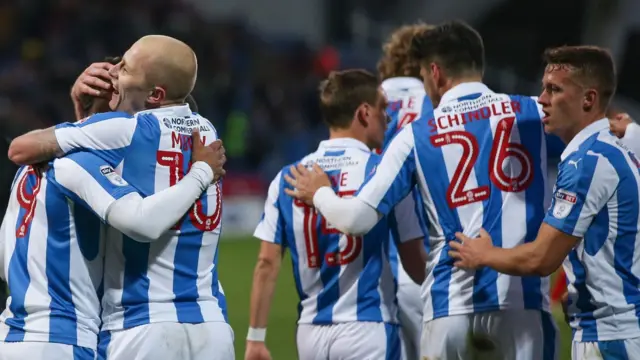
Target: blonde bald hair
x: 396, y: 59
x: 172, y: 65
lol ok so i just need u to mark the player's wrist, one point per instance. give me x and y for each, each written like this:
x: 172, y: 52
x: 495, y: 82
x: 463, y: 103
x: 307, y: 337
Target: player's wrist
x: 321, y: 193
x: 256, y: 334
x: 202, y: 172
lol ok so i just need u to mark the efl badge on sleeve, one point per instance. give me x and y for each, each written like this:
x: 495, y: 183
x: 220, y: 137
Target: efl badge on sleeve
x: 112, y: 176
x: 564, y: 203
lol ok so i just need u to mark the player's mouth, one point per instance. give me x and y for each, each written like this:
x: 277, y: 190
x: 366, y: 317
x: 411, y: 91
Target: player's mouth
x: 545, y: 118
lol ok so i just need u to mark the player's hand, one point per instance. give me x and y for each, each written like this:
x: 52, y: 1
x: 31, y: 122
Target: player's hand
x: 256, y: 350
x: 214, y: 154
x: 469, y: 253
x: 94, y: 81
x: 618, y: 124
x: 305, y: 182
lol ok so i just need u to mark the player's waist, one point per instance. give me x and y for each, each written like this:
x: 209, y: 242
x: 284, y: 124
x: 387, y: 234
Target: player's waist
x: 54, y: 329
x: 194, y: 312
x: 613, y: 327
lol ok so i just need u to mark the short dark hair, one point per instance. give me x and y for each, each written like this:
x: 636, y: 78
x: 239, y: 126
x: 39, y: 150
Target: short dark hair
x: 592, y: 65
x: 396, y: 53
x: 343, y: 92
x: 86, y: 100
x: 192, y: 103
x: 453, y: 45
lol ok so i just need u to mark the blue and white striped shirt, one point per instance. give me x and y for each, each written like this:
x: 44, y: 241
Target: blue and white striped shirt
x: 479, y: 160
x: 339, y: 278
x: 407, y: 102
x: 53, y: 250
x: 173, y: 279
x: 597, y: 198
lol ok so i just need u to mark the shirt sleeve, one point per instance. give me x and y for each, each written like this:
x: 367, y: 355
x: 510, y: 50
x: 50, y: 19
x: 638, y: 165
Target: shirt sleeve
x: 394, y: 176
x: 632, y: 138
x: 585, y: 183
x: 270, y: 227
x: 110, y: 133
x: 406, y: 219
x: 88, y: 179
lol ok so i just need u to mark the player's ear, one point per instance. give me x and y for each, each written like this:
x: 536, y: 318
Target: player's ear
x: 589, y: 100
x: 156, y: 95
x: 362, y: 114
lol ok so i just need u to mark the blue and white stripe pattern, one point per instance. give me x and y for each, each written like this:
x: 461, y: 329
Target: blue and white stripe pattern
x: 53, y: 251
x: 174, y: 279
x: 479, y: 160
x: 339, y: 278
x: 407, y: 102
x: 596, y: 198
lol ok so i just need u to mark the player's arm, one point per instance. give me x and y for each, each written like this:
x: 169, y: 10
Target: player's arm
x: 84, y: 176
x: 409, y: 230
x: 111, y: 131
x: 265, y: 274
x: 387, y: 183
x: 581, y: 192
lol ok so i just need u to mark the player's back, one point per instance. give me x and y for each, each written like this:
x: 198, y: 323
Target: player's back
x: 482, y: 163
x: 407, y: 102
x: 53, y: 261
x: 339, y: 278
x: 603, y: 207
x: 173, y: 279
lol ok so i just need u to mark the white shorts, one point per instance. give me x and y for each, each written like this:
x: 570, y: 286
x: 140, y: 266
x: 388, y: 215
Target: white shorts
x: 628, y: 349
x: 30, y: 350
x: 348, y: 341
x: 410, y: 315
x: 169, y: 341
x: 507, y: 334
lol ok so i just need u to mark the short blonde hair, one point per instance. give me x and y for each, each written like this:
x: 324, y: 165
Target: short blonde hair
x: 396, y: 59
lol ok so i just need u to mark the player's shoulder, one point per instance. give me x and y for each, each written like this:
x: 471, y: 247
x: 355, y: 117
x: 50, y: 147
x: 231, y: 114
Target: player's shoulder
x: 525, y: 107
x: 101, y: 117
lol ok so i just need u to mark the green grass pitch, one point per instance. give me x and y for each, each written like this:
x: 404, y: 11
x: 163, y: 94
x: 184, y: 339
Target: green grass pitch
x: 236, y: 262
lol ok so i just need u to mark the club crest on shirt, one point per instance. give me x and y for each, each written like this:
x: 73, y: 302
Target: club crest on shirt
x: 112, y: 176
x: 564, y: 201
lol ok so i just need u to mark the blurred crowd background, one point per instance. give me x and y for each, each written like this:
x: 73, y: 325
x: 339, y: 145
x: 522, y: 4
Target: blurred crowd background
x: 260, y: 63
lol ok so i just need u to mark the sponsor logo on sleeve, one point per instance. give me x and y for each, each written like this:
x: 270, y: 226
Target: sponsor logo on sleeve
x: 111, y: 175
x: 564, y: 202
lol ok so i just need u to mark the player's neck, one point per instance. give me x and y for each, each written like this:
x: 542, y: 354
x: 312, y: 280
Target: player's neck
x: 587, y: 120
x: 346, y: 134
x: 450, y: 84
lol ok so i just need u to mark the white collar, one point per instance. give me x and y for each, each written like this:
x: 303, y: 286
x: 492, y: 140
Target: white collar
x: 343, y: 143
x: 581, y: 136
x: 464, y: 89
x: 400, y: 82
x: 177, y: 110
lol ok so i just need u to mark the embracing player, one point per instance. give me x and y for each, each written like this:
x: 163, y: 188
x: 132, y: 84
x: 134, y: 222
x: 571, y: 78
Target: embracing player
x: 479, y: 160
x: 53, y: 250
x: 592, y: 225
x: 402, y: 85
x: 347, y: 292
x: 171, y: 285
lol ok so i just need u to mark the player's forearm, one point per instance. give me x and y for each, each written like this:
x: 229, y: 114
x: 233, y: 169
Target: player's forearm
x: 35, y: 147
x: 349, y: 215
x: 523, y: 260
x: 145, y: 220
x: 264, y: 284
x: 413, y: 256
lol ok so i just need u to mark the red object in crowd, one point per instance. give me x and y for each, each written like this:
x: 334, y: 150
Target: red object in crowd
x: 327, y: 60
x: 559, y: 287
